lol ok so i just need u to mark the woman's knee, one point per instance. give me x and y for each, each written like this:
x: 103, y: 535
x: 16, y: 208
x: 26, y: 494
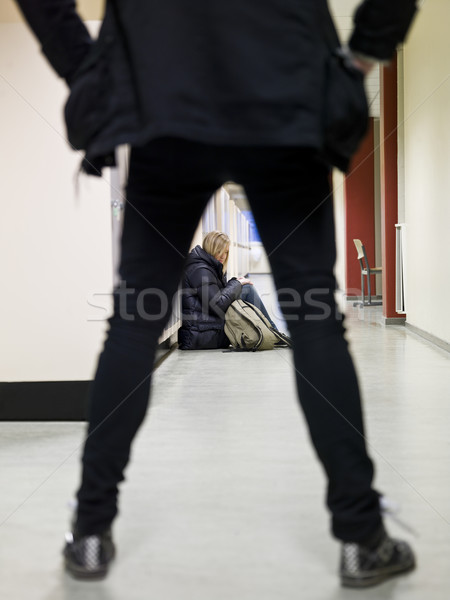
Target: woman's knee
x: 248, y: 292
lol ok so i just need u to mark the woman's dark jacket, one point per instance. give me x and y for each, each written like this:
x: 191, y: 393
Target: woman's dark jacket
x: 206, y: 295
x: 244, y: 72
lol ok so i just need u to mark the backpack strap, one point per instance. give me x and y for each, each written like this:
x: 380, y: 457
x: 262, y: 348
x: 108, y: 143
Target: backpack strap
x: 285, y: 340
x: 256, y: 328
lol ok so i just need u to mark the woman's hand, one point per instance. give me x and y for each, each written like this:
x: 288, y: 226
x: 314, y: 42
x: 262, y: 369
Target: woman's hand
x: 244, y: 280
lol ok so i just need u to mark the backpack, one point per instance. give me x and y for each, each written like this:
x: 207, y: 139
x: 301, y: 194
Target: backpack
x: 248, y: 329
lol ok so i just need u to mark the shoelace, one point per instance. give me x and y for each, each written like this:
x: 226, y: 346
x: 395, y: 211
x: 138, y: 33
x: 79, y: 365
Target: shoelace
x: 390, y: 508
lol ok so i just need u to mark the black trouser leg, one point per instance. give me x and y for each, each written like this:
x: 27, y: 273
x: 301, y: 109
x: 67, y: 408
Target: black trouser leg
x: 163, y: 209
x: 294, y: 214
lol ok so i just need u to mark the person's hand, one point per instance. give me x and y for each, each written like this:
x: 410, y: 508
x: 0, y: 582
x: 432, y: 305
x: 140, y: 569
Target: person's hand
x: 364, y: 66
x: 354, y: 60
x: 244, y: 280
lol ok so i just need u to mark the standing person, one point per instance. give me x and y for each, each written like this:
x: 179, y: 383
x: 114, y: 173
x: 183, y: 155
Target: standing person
x: 206, y: 295
x: 208, y: 92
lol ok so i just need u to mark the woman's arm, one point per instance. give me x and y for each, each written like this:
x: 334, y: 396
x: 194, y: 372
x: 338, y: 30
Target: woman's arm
x: 214, y: 299
x: 63, y: 36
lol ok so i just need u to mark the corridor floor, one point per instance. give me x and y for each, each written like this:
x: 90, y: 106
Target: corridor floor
x: 224, y: 499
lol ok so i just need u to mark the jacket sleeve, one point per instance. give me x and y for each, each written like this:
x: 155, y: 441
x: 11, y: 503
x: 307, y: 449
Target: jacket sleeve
x: 213, y: 298
x: 64, y: 39
x: 380, y: 25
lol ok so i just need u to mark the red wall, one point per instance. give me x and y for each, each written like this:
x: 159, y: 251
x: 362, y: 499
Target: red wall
x: 359, y: 194
x: 389, y: 184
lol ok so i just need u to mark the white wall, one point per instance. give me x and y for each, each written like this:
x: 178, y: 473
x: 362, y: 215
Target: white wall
x: 55, y: 250
x: 339, y: 217
x: 427, y: 170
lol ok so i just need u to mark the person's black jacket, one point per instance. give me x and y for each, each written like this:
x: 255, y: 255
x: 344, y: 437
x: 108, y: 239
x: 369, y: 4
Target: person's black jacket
x: 245, y: 72
x: 206, y: 295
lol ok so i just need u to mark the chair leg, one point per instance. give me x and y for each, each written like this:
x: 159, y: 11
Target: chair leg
x: 370, y: 303
x: 360, y: 302
x: 363, y: 296
x: 369, y: 291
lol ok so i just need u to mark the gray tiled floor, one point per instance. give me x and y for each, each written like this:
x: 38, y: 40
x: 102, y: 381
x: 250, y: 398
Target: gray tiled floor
x: 224, y: 498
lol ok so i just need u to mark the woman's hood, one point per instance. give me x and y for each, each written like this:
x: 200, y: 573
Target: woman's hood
x: 199, y: 256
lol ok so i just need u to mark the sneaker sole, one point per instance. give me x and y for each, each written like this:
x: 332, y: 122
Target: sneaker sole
x: 377, y: 578
x: 82, y: 574
x: 85, y: 575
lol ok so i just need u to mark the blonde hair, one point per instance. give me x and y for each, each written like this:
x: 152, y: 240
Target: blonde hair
x: 215, y: 242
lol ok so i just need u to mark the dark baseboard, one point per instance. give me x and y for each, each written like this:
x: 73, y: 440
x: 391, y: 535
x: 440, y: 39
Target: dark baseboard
x: 44, y: 400
x: 53, y: 400
x: 376, y: 297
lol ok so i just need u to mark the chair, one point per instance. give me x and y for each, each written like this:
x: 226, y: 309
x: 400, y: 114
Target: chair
x: 365, y: 271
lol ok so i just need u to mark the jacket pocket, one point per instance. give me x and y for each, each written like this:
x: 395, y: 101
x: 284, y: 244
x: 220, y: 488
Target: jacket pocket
x: 346, y: 112
x: 85, y: 111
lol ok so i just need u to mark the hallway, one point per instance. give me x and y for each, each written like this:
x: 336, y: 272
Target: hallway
x: 224, y: 498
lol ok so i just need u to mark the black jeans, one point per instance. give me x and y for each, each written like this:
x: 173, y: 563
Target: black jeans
x: 170, y: 182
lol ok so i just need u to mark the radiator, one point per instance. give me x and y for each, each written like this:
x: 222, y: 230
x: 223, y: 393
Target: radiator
x: 400, y: 239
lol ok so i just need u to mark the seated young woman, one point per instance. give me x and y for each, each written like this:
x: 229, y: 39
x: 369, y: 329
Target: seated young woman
x: 206, y: 295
